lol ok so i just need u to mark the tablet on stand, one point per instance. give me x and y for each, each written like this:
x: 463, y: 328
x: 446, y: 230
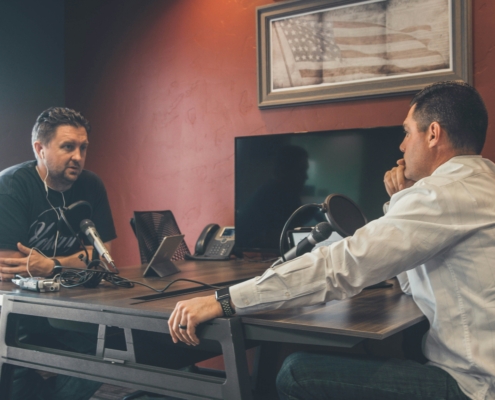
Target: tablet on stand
x: 161, y: 265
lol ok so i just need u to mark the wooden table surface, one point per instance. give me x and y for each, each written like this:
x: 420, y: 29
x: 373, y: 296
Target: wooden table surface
x: 375, y: 313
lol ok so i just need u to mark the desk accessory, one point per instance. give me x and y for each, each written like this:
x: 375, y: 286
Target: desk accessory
x: 89, y: 229
x: 77, y: 216
x: 161, y: 265
x: 36, y: 284
x: 150, y: 227
x: 214, y: 244
x: 318, y: 234
x: 343, y: 215
x: 72, y: 219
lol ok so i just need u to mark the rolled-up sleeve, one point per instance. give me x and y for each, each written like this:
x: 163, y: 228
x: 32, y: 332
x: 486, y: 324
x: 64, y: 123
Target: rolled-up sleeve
x: 291, y: 284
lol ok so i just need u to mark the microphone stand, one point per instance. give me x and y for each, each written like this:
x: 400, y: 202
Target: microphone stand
x: 286, y: 226
x: 343, y: 231
x: 97, y: 277
x: 84, y: 259
x: 95, y: 257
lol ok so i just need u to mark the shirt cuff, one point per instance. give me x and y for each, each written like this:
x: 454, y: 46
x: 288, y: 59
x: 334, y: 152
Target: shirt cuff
x: 244, y: 296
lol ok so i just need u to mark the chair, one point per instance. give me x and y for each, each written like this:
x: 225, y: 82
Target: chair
x: 150, y: 227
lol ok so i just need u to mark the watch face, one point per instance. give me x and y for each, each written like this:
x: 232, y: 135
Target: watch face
x: 222, y: 294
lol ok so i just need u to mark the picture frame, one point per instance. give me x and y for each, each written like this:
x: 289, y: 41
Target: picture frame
x: 359, y: 48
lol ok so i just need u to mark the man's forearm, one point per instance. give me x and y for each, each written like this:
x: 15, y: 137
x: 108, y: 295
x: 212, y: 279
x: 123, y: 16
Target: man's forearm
x: 27, y: 261
x: 75, y: 260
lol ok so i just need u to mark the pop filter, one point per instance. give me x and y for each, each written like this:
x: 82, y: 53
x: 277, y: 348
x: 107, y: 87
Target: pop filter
x: 346, y: 218
x: 343, y: 214
x: 71, y: 217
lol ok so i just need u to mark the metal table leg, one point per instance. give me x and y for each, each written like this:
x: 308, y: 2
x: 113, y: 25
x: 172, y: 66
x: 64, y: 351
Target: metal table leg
x: 119, y: 367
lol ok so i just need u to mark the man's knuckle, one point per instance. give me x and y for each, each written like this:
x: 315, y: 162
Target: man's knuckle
x: 179, y: 305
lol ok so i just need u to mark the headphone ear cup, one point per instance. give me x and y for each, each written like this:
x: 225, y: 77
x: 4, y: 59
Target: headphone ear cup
x: 94, y: 281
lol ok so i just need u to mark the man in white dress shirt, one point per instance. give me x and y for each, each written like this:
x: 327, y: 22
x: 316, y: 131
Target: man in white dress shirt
x: 437, y: 237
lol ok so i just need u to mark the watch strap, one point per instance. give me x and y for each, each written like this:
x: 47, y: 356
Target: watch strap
x: 223, y: 297
x: 56, y: 268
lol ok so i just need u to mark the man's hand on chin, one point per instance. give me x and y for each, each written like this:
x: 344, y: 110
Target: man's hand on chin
x: 188, y: 314
x: 395, y: 180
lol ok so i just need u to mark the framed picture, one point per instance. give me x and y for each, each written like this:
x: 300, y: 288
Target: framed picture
x: 316, y: 51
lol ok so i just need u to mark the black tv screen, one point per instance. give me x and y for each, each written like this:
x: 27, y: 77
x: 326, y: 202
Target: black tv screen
x: 276, y: 174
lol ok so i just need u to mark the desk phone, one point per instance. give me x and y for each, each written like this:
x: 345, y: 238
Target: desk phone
x: 215, y: 243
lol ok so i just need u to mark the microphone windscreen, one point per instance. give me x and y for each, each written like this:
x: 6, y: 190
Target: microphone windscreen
x: 85, y: 224
x: 322, y: 231
x: 344, y: 215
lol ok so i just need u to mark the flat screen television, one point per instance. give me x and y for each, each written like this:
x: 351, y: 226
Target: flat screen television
x: 275, y: 174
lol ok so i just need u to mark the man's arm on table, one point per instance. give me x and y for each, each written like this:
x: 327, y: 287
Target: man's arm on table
x: 16, y: 262
x: 335, y: 273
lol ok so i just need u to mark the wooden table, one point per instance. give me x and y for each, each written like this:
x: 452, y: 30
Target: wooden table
x: 375, y: 314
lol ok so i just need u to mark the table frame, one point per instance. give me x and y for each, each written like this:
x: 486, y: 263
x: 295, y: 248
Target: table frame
x: 118, y: 367
x: 373, y: 314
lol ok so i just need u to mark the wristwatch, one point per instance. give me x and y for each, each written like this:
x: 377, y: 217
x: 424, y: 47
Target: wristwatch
x: 56, y: 268
x: 223, y: 297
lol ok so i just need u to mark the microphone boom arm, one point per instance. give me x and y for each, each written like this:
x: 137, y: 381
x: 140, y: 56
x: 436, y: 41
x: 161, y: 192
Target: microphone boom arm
x: 286, y: 226
x: 341, y: 206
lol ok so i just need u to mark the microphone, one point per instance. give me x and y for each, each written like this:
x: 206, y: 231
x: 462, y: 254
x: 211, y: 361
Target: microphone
x: 321, y: 232
x: 88, y: 228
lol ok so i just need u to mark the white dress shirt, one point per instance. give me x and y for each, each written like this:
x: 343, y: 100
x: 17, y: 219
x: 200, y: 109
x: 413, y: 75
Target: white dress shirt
x: 439, y: 238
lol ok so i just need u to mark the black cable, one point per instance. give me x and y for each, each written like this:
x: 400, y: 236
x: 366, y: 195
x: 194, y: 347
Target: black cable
x: 83, y: 246
x: 177, y: 280
x: 74, y: 277
x: 98, y: 270
x: 118, y: 281
x: 81, y: 242
x: 255, y: 260
x: 284, y: 231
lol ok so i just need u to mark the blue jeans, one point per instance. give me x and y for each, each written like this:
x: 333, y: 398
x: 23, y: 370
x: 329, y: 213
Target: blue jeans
x: 342, y: 377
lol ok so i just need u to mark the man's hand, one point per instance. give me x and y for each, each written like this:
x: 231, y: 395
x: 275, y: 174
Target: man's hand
x: 39, y: 265
x: 395, y: 181
x: 190, y: 313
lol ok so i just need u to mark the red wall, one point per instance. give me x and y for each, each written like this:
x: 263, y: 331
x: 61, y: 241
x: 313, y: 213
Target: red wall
x: 167, y: 85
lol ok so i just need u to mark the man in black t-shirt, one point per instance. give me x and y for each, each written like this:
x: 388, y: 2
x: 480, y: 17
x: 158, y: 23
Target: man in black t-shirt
x: 31, y: 196
x: 30, y: 213
x: 32, y: 193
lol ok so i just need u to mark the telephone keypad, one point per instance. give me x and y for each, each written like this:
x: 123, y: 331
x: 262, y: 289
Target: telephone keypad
x: 219, y: 249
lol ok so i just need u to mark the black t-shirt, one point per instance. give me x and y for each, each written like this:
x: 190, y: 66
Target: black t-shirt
x: 27, y: 216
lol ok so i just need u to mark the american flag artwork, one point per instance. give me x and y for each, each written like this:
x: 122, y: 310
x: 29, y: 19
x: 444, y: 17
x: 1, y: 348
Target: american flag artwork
x: 374, y: 39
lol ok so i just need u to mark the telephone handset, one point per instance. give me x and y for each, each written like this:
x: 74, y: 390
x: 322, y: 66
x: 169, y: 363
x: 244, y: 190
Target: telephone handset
x: 214, y: 243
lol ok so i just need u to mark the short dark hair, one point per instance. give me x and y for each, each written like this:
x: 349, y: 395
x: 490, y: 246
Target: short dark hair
x: 49, y: 120
x: 458, y: 108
